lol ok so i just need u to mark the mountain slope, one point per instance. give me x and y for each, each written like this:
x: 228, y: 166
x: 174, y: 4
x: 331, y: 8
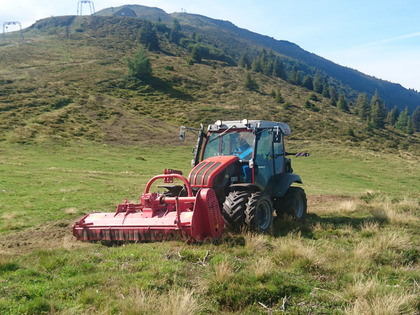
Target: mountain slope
x: 234, y: 40
x: 68, y: 82
x: 393, y: 94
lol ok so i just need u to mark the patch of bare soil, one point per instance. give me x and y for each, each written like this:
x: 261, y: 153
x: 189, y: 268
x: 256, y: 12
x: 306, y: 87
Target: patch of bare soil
x: 127, y: 129
x: 328, y: 198
x: 48, y: 236
x: 323, y: 202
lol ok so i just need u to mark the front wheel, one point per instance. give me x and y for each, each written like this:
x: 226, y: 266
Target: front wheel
x: 259, y: 213
x: 294, y: 203
x: 233, y: 210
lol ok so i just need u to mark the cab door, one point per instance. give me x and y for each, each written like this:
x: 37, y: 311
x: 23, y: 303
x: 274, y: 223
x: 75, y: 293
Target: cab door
x: 278, y: 149
x: 264, y: 162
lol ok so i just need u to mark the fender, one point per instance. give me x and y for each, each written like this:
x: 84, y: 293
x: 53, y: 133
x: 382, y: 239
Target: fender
x: 245, y: 187
x: 279, y: 184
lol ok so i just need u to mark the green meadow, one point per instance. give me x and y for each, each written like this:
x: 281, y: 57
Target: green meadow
x: 357, y: 252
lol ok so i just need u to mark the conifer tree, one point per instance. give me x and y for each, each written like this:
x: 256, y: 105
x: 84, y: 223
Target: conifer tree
x: 263, y: 57
x: 377, y: 112
x: 415, y: 119
x: 196, y: 54
x: 139, y: 68
x: 278, y: 97
x: 268, y: 67
x: 176, y: 32
x: 362, y: 106
x: 393, y: 116
x: 318, y: 83
x: 326, y: 91
x: 243, y: 61
x: 308, y: 82
x: 256, y: 65
x: 278, y: 69
x: 148, y: 36
x: 342, y: 103
x: 294, y: 76
x: 333, y: 96
x: 410, y: 128
x: 403, y: 121
x: 250, y: 84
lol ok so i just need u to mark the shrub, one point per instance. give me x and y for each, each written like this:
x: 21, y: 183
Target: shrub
x: 139, y: 67
x: 250, y: 84
x: 313, y: 97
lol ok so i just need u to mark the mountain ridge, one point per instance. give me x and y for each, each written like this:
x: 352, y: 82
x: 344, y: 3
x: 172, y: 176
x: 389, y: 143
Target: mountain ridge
x: 68, y: 82
x: 393, y: 94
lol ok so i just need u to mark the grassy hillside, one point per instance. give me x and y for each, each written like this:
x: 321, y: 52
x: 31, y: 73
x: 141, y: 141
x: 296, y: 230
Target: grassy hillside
x: 235, y: 41
x: 69, y: 83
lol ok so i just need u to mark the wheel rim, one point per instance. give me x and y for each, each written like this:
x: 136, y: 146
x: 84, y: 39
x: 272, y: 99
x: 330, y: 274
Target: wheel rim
x: 264, y: 215
x: 299, y: 207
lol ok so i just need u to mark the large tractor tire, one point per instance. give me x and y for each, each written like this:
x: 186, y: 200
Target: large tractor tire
x: 234, y: 209
x: 259, y: 213
x: 293, y: 204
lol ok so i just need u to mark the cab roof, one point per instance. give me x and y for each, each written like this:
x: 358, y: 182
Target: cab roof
x: 249, y: 124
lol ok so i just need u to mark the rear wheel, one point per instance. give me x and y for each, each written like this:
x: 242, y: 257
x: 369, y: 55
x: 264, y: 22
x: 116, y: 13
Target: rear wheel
x: 293, y: 204
x: 234, y: 209
x: 259, y: 213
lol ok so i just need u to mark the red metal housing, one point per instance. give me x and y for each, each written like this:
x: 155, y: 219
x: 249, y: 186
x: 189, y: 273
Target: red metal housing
x: 203, y: 174
x: 157, y: 217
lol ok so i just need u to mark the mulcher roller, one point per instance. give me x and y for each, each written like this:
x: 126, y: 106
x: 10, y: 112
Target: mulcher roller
x: 157, y: 217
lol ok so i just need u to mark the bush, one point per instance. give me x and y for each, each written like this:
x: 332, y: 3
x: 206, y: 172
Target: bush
x: 250, y: 84
x: 313, y: 97
x: 139, y: 67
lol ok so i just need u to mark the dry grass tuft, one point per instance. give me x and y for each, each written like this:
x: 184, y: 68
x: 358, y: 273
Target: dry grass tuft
x: 180, y: 302
x: 369, y: 228
x: 294, y: 249
x: 263, y: 266
x: 222, y: 272
x: 9, y: 215
x: 372, y: 296
x: 348, y: 206
x: 402, y: 212
x: 391, y: 303
x: 364, y: 288
x: 378, y: 247
x: 71, y: 210
x: 174, y: 302
x: 140, y: 303
x: 254, y: 241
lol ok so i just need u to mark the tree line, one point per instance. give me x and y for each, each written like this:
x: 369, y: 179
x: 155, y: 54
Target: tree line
x: 373, y: 112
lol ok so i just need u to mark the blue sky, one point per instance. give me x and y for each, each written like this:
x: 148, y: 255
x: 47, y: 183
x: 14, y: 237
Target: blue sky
x: 380, y: 38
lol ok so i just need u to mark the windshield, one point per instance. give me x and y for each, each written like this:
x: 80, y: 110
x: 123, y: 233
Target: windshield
x: 238, y: 143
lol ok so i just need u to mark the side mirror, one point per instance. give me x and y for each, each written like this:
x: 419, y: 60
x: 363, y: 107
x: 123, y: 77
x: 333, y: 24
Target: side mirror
x: 277, y: 135
x: 182, y: 134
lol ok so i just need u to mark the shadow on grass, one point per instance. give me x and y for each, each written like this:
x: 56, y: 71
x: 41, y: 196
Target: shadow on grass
x: 159, y: 85
x: 283, y: 227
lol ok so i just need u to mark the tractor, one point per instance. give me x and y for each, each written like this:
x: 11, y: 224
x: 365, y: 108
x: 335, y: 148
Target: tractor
x: 240, y: 176
x: 258, y: 176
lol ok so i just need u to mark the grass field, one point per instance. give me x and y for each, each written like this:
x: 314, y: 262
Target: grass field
x: 358, y: 251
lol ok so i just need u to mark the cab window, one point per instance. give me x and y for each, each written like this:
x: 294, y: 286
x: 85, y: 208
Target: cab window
x: 263, y: 160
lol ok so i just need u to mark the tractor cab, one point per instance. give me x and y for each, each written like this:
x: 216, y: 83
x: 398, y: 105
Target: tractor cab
x: 257, y: 144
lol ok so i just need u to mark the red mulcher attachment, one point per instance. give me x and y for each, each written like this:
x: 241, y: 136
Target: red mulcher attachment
x: 157, y: 217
